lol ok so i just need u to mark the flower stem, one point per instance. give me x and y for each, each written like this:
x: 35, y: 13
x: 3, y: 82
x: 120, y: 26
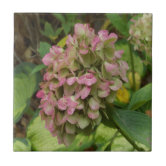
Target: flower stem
x: 132, y: 66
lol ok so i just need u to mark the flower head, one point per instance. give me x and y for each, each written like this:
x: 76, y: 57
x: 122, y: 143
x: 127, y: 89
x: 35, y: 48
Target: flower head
x: 78, y: 80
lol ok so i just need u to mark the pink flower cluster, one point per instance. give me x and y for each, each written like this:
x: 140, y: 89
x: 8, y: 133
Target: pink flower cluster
x: 141, y: 33
x: 78, y: 81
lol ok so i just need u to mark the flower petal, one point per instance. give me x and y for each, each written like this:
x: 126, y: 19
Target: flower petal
x: 85, y: 92
x: 94, y: 105
x: 62, y: 104
x: 47, y: 59
x: 93, y: 114
x: 117, y: 85
x: 71, y: 80
x: 40, y: 94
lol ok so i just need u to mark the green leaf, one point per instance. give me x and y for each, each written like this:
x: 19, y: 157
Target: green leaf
x: 60, y: 17
x: 138, y: 65
x: 119, y: 23
x: 103, y: 135
x: 44, y: 48
x: 67, y: 27
x: 40, y: 137
x: 48, y: 30
x: 38, y: 68
x: 62, y: 42
x: 135, y: 125
x: 140, y: 97
x: 58, y: 31
x: 24, y: 87
x: 21, y: 144
x: 42, y: 140
x: 80, y: 143
x: 120, y: 143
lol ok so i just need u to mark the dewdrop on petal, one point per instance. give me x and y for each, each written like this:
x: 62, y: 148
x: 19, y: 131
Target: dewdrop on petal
x: 78, y: 80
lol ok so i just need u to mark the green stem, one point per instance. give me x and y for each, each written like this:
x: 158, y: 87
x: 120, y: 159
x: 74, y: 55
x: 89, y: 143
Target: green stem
x: 132, y: 67
x: 130, y: 140
x: 111, y: 141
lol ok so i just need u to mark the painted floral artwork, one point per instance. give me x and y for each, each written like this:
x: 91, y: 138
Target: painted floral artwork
x: 82, y: 82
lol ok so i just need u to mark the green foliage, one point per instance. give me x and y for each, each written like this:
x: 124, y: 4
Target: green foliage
x: 125, y: 129
x: 25, y: 85
x: 135, y: 125
x: 119, y: 23
x: 49, y: 31
x: 44, y: 48
x: 62, y: 42
x: 21, y: 144
x: 120, y: 143
x: 42, y: 140
x: 103, y: 136
x: 67, y: 21
x: 138, y: 65
x: 38, y: 68
x: 141, y: 97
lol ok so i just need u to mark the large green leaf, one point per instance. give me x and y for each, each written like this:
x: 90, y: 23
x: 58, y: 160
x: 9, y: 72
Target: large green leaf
x: 141, y: 97
x: 135, y: 125
x: 21, y: 144
x: 120, y: 143
x: 104, y: 133
x: 25, y: 85
x: 42, y: 140
x: 44, y: 48
x: 119, y: 23
x: 103, y: 136
x: 40, y: 137
x: 138, y: 64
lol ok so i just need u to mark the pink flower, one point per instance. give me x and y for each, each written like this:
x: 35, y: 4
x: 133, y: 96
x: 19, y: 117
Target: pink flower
x: 48, y: 108
x: 79, y: 29
x: 112, y: 68
x: 72, y: 104
x: 52, y: 99
x: 67, y: 103
x: 103, y: 93
x: 83, y: 51
x: 94, y: 104
x: 47, y: 59
x: 62, y: 80
x: 87, y: 79
x: 40, y: 94
x: 123, y: 67
x: 48, y: 76
x: 117, y: 84
x: 49, y: 124
x: 118, y: 54
x: 95, y: 41
x: 71, y: 80
x: 103, y: 35
x: 56, y: 50
x: 84, y: 30
x: 62, y: 103
x: 93, y: 114
x: 85, y: 92
x: 78, y: 81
